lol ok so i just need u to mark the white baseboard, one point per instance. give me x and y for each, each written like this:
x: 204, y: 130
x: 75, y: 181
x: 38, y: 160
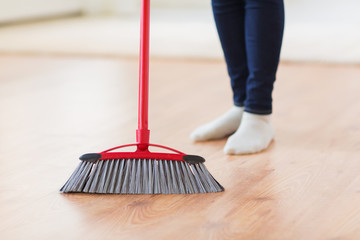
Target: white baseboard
x: 320, y: 37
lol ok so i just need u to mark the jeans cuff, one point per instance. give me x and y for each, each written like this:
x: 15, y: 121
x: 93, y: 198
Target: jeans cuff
x: 260, y: 112
x: 238, y: 104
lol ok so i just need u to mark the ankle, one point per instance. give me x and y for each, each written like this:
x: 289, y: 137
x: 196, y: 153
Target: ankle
x: 247, y: 116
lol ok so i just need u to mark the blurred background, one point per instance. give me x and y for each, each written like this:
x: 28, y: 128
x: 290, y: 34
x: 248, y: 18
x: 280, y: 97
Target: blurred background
x: 68, y: 85
x: 316, y: 30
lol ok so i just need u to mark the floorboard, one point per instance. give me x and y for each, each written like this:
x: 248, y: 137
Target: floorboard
x: 53, y: 109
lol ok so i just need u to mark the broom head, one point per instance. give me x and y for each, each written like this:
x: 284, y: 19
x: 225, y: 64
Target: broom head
x: 141, y: 172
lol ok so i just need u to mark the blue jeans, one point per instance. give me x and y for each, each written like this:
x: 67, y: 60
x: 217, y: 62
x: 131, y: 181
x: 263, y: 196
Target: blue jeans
x: 250, y: 33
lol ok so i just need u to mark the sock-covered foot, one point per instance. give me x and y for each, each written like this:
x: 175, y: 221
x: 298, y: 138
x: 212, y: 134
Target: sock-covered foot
x: 219, y: 128
x: 253, y: 135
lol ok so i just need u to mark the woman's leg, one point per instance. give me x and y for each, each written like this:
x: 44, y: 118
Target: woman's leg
x: 229, y: 17
x: 264, y: 24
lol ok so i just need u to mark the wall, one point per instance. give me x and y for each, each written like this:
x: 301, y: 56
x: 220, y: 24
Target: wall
x: 15, y: 10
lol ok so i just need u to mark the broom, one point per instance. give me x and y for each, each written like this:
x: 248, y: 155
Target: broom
x: 142, y: 171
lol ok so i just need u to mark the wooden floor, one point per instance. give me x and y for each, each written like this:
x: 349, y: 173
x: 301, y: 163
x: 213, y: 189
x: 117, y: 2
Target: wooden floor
x: 306, y: 186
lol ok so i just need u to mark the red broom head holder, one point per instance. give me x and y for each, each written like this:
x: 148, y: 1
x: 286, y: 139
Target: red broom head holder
x: 142, y: 138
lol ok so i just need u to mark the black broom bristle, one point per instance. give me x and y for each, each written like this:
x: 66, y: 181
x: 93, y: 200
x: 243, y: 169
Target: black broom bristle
x: 141, y: 176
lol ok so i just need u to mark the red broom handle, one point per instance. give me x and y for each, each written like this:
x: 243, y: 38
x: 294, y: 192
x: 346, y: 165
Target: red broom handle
x: 143, y: 133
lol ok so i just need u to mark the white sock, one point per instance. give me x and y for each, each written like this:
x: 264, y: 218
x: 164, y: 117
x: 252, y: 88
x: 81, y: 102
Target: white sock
x: 221, y: 127
x: 253, y: 135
